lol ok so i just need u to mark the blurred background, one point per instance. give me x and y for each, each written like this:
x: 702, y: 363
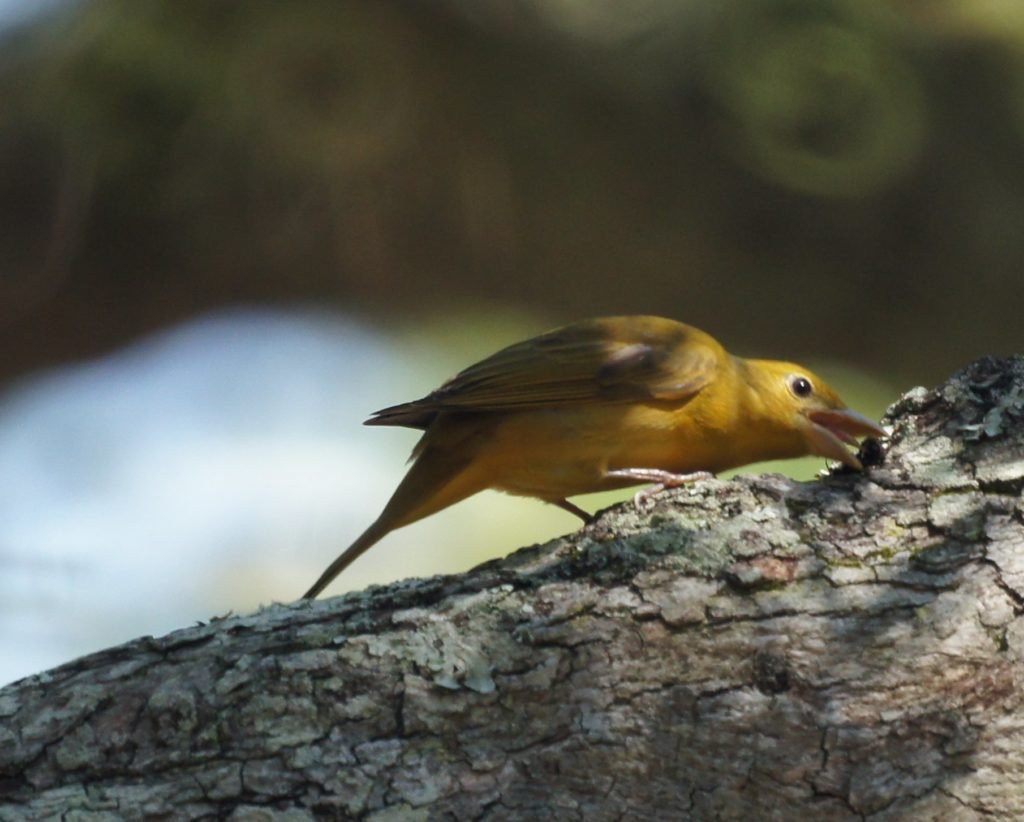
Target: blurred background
x: 230, y: 231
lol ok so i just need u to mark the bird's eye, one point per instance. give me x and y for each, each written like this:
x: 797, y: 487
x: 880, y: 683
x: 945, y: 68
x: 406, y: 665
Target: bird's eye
x: 801, y: 386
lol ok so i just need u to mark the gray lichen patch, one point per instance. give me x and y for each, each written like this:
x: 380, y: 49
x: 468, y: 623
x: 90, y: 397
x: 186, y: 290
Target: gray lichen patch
x: 960, y: 515
x: 1005, y: 549
x: 1001, y: 464
x: 679, y: 601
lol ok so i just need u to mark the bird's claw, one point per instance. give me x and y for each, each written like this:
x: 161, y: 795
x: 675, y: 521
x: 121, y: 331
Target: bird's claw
x: 643, y: 499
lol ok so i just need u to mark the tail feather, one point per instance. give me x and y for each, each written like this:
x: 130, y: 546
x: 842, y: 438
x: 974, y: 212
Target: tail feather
x: 409, y: 415
x: 368, y: 538
x: 440, y: 476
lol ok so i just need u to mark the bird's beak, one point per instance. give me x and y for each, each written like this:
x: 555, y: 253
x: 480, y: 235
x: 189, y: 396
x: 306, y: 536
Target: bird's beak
x: 831, y: 431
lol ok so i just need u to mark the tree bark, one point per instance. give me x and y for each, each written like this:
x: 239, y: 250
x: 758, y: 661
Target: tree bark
x: 752, y: 649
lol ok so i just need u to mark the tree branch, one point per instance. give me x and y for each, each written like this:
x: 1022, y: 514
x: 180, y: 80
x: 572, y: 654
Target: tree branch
x: 844, y: 648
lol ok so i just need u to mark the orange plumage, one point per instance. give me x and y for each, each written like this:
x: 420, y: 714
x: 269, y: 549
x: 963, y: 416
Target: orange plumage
x: 602, y: 404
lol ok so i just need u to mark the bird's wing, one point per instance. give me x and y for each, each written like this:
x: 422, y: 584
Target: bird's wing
x: 605, y: 360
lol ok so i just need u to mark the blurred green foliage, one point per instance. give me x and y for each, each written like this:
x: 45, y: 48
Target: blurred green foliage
x: 804, y: 178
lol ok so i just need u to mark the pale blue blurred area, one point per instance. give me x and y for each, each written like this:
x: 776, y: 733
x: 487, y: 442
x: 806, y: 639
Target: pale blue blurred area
x: 218, y: 466
x: 152, y: 487
x: 15, y: 12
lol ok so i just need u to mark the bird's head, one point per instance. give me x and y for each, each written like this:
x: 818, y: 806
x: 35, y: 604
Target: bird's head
x: 807, y: 407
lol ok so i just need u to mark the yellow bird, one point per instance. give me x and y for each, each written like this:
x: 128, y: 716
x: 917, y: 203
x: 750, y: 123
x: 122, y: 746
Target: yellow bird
x: 601, y: 404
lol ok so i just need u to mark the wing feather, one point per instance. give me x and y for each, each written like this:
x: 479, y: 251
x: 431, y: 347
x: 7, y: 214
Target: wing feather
x: 613, y: 359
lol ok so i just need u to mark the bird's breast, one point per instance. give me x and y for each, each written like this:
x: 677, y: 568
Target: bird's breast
x: 555, y: 453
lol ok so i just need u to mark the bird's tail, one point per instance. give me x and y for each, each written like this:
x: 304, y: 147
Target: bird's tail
x: 368, y: 538
x: 438, y: 478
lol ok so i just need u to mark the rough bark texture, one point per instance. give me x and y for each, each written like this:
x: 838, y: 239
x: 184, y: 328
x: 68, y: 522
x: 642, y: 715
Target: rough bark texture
x: 759, y: 648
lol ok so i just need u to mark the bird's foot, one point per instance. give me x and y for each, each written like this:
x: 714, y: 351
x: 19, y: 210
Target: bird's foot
x: 661, y: 479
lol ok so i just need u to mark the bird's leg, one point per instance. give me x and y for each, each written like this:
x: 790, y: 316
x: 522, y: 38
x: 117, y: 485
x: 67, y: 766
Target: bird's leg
x: 661, y: 480
x: 565, y: 505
